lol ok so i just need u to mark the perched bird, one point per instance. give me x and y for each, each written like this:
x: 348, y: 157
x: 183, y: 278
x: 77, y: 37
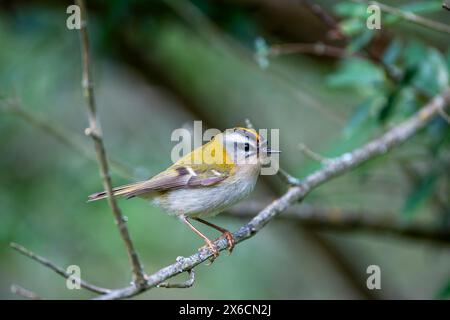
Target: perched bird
x: 206, y: 181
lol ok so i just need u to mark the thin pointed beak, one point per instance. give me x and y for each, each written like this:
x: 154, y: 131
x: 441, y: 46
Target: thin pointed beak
x: 270, y: 151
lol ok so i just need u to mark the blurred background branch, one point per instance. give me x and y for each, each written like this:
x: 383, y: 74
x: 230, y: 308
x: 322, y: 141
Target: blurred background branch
x: 25, y: 293
x: 335, y: 219
x: 47, y: 263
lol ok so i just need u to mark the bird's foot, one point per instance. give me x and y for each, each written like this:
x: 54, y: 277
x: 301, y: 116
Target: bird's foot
x: 230, y: 239
x: 211, y: 246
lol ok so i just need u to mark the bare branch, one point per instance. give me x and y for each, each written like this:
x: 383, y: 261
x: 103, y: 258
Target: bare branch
x: 28, y: 294
x: 328, y: 19
x: 336, y: 219
x: 94, y: 131
x: 409, y: 16
x: 342, y: 164
x: 47, y: 263
x: 318, y: 49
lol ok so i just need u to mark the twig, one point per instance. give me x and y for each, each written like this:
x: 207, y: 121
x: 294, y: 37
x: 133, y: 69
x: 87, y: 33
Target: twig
x: 94, y: 131
x: 446, y: 6
x: 336, y: 219
x: 249, y: 124
x: 444, y: 115
x: 409, y: 16
x: 328, y: 19
x: 28, y: 294
x: 287, y: 178
x: 47, y: 263
x: 312, y: 155
x: 186, y: 284
x: 392, y: 138
x: 318, y: 49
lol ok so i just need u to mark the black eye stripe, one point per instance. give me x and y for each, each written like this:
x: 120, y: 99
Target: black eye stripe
x: 257, y: 148
x: 247, y: 144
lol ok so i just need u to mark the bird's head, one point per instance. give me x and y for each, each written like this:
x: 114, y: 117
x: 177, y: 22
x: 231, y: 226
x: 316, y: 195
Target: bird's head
x: 244, y: 146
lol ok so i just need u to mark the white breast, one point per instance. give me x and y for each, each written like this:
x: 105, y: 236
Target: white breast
x: 207, y: 201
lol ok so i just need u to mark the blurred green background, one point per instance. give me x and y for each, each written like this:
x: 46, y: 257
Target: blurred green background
x: 160, y: 65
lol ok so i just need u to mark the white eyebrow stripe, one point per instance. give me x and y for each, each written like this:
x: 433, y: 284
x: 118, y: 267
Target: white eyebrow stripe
x: 240, y: 138
x: 191, y: 171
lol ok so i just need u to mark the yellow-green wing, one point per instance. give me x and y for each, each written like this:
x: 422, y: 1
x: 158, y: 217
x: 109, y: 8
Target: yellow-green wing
x: 182, y: 176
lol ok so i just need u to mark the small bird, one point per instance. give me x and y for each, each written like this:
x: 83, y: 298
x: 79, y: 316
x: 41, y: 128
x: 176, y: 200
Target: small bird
x: 206, y: 181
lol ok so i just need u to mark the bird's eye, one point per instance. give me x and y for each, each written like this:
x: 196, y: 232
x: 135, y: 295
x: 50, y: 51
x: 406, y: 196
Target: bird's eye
x: 247, y: 147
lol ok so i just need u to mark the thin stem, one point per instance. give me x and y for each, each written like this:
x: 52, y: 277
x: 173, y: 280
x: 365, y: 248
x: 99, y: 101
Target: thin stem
x: 318, y: 49
x: 25, y: 293
x: 65, y: 137
x: 327, y: 18
x: 47, y: 263
x: 287, y: 178
x: 313, y: 155
x: 95, y: 132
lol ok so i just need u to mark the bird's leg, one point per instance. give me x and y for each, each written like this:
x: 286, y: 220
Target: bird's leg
x: 209, y: 243
x: 225, y: 233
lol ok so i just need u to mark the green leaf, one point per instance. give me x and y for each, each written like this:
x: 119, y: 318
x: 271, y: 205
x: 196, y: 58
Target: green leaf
x: 362, y: 114
x: 402, y: 100
x: 432, y: 76
x: 388, y: 108
x: 406, y: 102
x: 414, y: 53
x: 418, y: 8
x: 439, y: 133
x: 392, y: 53
x: 444, y: 293
x: 356, y: 72
x: 423, y: 7
x: 352, y: 26
x: 360, y: 41
x: 349, y: 9
x: 447, y: 58
x: 419, y: 194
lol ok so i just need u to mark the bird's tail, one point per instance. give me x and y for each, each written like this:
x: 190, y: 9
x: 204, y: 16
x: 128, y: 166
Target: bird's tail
x: 127, y: 191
